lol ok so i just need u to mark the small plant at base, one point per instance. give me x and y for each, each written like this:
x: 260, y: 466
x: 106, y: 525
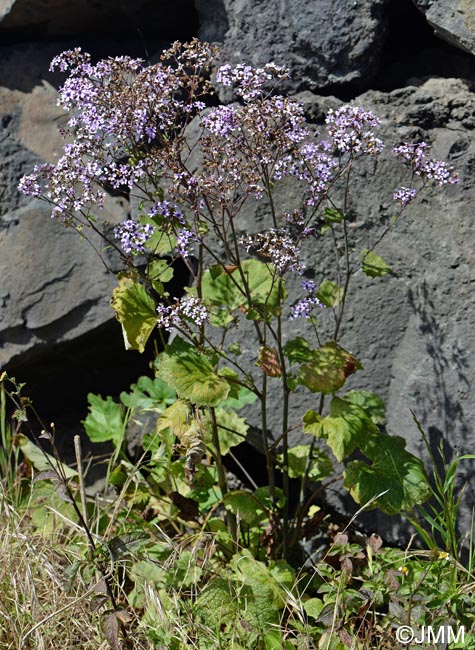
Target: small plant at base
x: 441, y: 515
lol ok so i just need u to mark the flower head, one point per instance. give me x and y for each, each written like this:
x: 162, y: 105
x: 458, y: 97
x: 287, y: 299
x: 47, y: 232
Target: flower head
x: 186, y: 311
x: 133, y: 236
x: 348, y: 128
x: 305, y: 306
x: 427, y: 168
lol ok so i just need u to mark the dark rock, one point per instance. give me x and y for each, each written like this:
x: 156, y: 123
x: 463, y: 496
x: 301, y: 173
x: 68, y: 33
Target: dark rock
x: 21, y: 20
x: 325, y: 44
x: 452, y: 20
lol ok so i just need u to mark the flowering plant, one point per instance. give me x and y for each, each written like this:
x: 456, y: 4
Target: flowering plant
x: 191, y: 171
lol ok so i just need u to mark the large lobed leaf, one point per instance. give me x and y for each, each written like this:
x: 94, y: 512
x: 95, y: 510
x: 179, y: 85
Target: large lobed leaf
x: 223, y: 288
x: 327, y: 368
x: 390, y: 471
x: 105, y: 420
x: 393, y: 470
x: 191, y: 374
x: 345, y: 429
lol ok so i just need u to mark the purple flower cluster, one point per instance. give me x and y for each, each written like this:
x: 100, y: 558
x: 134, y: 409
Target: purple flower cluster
x: 312, y: 165
x: 349, y: 132
x: 171, y: 213
x: 404, y: 195
x: 120, y: 109
x: 185, y: 311
x: 304, y: 307
x: 249, y: 82
x: 184, y: 238
x: 133, y: 236
x: 278, y: 247
x: 29, y: 185
x: 222, y: 121
x: 427, y: 168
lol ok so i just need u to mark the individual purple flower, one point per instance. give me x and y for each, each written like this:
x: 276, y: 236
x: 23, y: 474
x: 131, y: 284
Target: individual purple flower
x: 133, y: 236
x: 404, y: 195
x: 348, y: 128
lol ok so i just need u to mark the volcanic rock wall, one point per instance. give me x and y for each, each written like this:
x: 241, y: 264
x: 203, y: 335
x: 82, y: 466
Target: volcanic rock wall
x: 409, y: 61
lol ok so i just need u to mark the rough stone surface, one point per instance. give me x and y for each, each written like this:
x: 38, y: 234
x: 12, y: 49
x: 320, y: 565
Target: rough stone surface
x: 452, y: 20
x: 325, y: 43
x: 70, y: 18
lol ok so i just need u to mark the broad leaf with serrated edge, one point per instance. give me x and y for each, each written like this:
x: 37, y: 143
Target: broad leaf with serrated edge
x: 327, y: 368
x: 329, y: 293
x: 370, y: 402
x: 297, y: 350
x: 105, y: 420
x: 191, y: 374
x: 135, y: 311
x: 345, y: 429
x: 232, y: 430
x: 148, y: 394
x: 222, y: 287
x: 393, y: 469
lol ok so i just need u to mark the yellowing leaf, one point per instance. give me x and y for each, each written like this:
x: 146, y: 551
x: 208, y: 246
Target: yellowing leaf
x: 135, y: 311
x: 191, y: 374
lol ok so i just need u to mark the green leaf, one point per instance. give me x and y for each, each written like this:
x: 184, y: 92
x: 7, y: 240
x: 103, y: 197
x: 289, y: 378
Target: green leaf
x: 176, y: 418
x: 161, y: 243
x: 329, y: 293
x: 232, y: 429
x: 238, y: 395
x: 393, y: 469
x: 327, y: 369
x: 244, y: 505
x: 262, y: 596
x: 320, y: 468
x: 313, y: 607
x: 105, y: 420
x: 333, y: 216
x: 159, y: 272
x: 159, y: 269
x: 370, y: 402
x: 345, y: 429
x: 297, y: 350
x: 40, y: 460
x: 227, y: 289
x: 135, y: 311
x: 373, y: 265
x: 218, y: 603
x: 148, y: 394
x: 191, y: 374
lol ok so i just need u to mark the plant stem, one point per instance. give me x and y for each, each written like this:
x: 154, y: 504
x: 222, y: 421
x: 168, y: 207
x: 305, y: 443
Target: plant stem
x: 222, y: 481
